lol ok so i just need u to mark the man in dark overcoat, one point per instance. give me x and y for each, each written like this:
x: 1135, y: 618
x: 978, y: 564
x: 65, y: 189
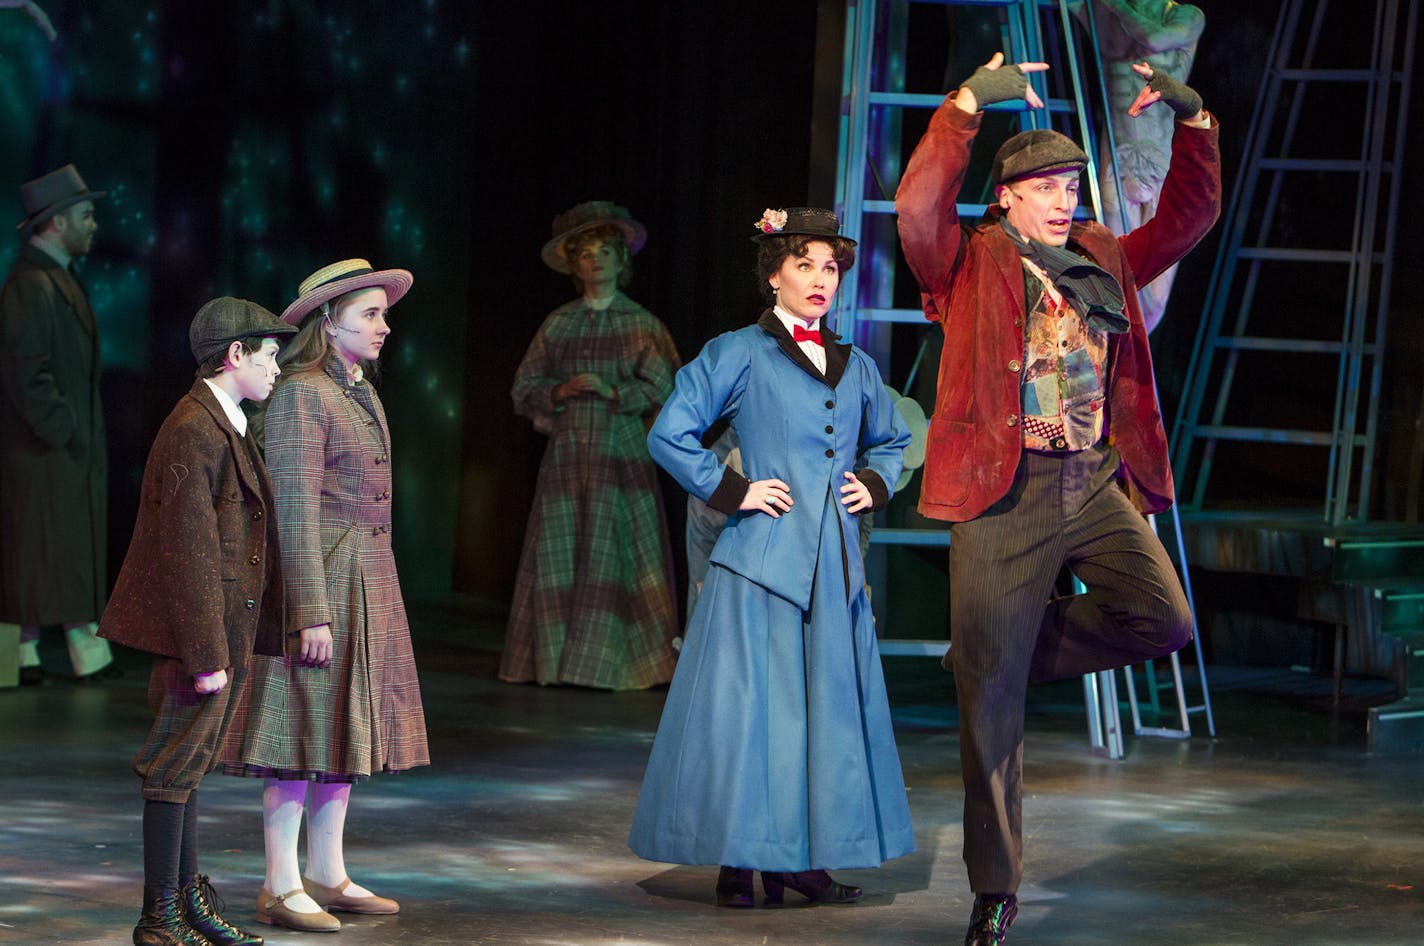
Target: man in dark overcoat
x: 201, y: 589
x: 53, y: 459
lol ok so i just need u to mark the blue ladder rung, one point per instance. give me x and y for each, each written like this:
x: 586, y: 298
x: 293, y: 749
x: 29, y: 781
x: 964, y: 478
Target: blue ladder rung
x: 1262, y: 435
x: 1255, y: 343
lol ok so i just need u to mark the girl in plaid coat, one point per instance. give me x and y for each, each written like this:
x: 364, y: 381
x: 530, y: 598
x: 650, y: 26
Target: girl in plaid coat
x: 350, y: 704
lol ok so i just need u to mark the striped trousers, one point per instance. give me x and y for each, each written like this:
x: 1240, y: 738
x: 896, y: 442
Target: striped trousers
x: 1008, y: 630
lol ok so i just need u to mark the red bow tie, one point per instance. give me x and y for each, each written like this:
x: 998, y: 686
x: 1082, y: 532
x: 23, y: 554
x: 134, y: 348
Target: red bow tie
x: 799, y: 334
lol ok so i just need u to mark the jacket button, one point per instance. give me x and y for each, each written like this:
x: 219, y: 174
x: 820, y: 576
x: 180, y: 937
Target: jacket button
x: 257, y: 514
x: 1060, y: 444
x: 1013, y: 420
x: 830, y: 453
x: 251, y: 604
x: 256, y: 559
x: 830, y: 404
x: 1014, y: 365
x: 830, y: 429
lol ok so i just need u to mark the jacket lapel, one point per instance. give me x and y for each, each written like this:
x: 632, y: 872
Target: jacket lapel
x: 836, y: 355
x: 65, y: 284
x: 236, y: 442
x: 1006, y: 260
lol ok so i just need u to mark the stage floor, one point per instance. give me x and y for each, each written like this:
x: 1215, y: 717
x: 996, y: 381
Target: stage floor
x: 1279, y: 831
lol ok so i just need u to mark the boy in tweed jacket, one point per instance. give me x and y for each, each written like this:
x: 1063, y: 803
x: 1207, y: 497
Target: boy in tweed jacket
x: 200, y: 589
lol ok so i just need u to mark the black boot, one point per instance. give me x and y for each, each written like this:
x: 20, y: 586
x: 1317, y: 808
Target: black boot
x: 989, y: 923
x: 734, y: 888
x: 162, y: 922
x: 198, y: 896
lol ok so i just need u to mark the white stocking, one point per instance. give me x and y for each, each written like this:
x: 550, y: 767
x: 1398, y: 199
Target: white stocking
x: 29, y: 637
x: 326, y: 830
x: 282, y: 804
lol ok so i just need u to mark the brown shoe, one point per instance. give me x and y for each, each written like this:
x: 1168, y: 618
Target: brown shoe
x: 334, y: 898
x: 273, y: 909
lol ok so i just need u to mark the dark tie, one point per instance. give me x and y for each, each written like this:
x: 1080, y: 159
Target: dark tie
x: 799, y: 334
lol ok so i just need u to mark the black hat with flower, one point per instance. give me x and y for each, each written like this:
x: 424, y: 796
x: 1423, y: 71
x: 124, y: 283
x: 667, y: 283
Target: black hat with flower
x: 799, y: 221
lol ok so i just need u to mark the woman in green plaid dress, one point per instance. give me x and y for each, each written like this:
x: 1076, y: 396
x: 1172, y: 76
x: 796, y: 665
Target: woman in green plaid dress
x: 593, y: 604
x: 350, y: 705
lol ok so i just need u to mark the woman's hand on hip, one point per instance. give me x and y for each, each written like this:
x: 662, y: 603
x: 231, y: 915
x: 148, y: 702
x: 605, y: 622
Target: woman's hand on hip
x: 316, y: 645
x: 772, y: 497
x: 855, y: 495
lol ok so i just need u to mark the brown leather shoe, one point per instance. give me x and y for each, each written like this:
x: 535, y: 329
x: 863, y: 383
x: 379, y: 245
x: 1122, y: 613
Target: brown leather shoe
x: 272, y: 909
x: 334, y: 898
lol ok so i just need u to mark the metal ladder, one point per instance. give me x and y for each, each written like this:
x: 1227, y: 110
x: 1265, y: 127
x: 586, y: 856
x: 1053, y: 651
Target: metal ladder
x: 1253, y: 251
x: 873, y: 95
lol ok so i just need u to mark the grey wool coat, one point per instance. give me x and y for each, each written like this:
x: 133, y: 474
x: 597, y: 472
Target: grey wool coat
x: 53, y: 459
x: 202, y: 581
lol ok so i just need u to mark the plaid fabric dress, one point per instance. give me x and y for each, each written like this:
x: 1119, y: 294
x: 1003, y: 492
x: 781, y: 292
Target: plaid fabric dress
x: 593, y: 603
x: 328, y: 452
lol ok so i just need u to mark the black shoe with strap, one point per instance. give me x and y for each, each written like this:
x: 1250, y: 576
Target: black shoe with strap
x: 163, y: 923
x: 989, y: 923
x: 815, y: 885
x: 198, y: 896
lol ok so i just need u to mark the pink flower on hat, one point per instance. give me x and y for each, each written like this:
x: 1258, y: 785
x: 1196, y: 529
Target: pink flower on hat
x: 772, y: 221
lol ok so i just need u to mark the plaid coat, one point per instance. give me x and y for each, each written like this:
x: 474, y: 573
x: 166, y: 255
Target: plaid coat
x: 593, y: 602
x: 328, y: 450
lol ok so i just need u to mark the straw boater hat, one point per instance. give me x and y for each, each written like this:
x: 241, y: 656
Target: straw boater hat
x: 340, y: 278
x: 586, y: 216
x: 46, y: 196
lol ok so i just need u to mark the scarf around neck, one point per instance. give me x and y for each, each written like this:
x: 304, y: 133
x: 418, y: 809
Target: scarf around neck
x: 1092, y: 291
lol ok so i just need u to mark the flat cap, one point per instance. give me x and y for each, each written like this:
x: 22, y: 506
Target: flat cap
x: 1036, y: 152
x: 225, y: 320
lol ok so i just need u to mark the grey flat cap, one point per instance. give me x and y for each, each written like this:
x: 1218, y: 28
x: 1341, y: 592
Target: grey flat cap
x: 225, y: 320
x: 1035, y: 152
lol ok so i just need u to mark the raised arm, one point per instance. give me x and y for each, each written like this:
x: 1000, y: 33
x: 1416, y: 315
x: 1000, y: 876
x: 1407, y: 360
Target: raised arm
x: 930, y: 234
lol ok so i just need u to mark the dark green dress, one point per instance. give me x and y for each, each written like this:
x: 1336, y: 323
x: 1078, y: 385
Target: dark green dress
x: 593, y: 603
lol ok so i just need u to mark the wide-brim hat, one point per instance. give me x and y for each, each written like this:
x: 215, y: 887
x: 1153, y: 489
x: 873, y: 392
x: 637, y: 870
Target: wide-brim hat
x: 586, y: 216
x: 913, y: 415
x: 224, y: 320
x: 342, y: 277
x: 1036, y: 152
x: 46, y: 196
x: 799, y: 221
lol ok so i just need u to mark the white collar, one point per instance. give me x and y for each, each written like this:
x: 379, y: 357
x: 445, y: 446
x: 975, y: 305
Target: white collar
x: 230, y: 408
x: 789, y: 321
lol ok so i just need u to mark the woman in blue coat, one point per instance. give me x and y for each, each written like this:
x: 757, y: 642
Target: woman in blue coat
x: 775, y: 751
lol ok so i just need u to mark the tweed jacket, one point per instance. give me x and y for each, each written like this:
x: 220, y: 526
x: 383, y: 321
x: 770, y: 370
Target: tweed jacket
x: 202, y: 580
x: 329, y: 449
x: 972, y: 284
x: 794, y: 424
x: 53, y: 458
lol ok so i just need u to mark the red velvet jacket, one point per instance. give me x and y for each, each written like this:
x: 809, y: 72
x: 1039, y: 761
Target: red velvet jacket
x: 972, y: 283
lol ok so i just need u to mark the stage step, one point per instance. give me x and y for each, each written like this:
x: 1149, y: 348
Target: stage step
x: 1398, y: 727
x: 1365, y: 558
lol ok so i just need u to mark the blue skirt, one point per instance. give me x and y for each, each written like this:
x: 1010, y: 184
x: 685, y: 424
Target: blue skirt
x: 775, y: 750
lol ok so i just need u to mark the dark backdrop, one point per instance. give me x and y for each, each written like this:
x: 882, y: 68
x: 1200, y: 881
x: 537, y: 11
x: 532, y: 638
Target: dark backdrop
x: 247, y: 144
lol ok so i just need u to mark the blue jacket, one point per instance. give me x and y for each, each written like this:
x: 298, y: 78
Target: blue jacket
x: 795, y: 425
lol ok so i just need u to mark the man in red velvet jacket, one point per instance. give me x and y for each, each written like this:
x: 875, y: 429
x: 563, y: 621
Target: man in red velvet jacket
x: 1047, y: 445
